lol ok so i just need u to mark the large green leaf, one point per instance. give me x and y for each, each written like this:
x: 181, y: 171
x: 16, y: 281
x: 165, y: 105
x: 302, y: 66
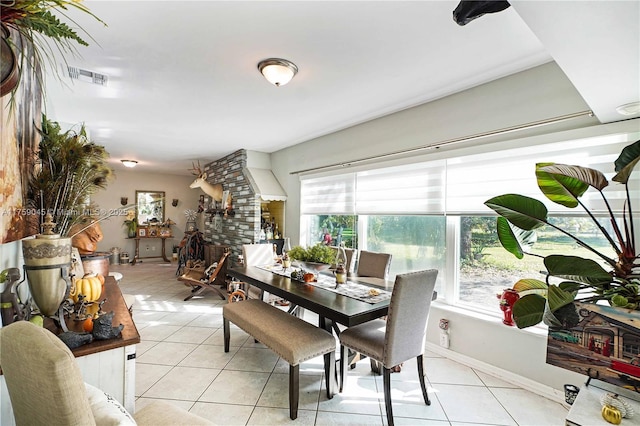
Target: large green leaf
x: 531, y: 285
x: 627, y: 160
x: 524, y: 212
x: 577, y: 269
x: 563, y: 318
x: 528, y: 310
x: 515, y: 240
x: 557, y: 298
x: 564, y: 184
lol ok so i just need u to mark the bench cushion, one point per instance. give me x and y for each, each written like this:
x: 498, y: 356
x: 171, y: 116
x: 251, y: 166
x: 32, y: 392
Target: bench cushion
x: 293, y: 339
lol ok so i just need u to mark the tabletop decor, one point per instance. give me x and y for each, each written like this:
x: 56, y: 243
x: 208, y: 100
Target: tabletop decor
x: 131, y: 222
x: 316, y: 258
x: 351, y: 289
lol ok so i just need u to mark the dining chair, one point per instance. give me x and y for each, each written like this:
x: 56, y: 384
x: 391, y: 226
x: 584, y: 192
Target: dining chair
x: 372, y: 264
x: 401, y: 337
x: 257, y: 255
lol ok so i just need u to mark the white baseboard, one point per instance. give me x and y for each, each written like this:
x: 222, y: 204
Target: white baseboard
x: 515, y: 379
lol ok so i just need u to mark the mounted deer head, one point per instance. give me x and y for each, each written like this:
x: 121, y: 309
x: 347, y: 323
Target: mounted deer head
x: 212, y: 190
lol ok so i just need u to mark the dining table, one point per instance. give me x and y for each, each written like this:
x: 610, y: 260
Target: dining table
x: 331, y: 303
x: 332, y: 308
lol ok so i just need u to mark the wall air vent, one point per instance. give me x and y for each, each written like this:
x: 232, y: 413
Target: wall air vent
x: 87, y: 76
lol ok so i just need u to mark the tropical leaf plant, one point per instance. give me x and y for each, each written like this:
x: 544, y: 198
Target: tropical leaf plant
x: 584, y: 279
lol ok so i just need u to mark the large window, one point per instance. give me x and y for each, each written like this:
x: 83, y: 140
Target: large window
x: 486, y: 268
x: 432, y: 214
x: 415, y: 242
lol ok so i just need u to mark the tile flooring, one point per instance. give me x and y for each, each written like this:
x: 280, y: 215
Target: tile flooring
x: 181, y: 359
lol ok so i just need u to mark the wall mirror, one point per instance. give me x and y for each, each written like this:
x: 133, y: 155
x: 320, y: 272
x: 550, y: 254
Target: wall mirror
x: 150, y: 207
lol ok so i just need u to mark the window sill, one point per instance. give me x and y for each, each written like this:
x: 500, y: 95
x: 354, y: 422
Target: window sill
x: 496, y: 319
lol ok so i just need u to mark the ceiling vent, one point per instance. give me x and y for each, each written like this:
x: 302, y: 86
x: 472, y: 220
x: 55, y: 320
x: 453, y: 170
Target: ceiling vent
x: 87, y: 76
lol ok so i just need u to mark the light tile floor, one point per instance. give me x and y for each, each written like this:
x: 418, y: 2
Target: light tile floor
x: 181, y: 359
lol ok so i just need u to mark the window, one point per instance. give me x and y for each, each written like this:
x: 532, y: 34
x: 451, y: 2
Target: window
x: 431, y: 214
x: 415, y: 242
x: 486, y: 269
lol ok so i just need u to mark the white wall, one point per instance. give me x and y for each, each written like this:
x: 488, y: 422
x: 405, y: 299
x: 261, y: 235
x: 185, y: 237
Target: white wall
x: 125, y: 185
x: 540, y: 93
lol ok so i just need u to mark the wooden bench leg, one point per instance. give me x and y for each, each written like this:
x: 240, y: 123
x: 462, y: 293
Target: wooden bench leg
x: 294, y: 390
x: 227, y: 334
x: 329, y: 372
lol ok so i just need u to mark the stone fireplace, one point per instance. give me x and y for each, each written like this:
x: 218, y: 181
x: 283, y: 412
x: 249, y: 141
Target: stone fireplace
x: 247, y: 192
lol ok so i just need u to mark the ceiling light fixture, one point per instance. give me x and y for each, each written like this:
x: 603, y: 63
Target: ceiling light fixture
x: 129, y: 163
x: 277, y: 71
x: 632, y: 108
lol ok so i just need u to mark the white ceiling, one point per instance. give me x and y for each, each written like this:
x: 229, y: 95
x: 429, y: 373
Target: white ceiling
x: 184, y: 85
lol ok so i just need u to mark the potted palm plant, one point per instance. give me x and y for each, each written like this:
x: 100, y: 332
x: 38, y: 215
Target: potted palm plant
x: 581, y: 279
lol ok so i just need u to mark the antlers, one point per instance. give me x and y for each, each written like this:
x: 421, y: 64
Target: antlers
x: 196, y: 171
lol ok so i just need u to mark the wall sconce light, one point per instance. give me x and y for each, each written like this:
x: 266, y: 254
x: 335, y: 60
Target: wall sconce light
x: 124, y: 200
x: 174, y: 202
x: 277, y: 71
x: 129, y: 163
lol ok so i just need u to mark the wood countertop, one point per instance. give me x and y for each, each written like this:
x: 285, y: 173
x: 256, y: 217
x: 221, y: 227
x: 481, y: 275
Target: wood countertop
x: 115, y: 302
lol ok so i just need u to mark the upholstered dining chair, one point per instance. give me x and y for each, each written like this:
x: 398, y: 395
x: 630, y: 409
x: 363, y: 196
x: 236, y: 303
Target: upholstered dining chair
x: 46, y: 387
x: 257, y: 255
x: 372, y: 264
x: 401, y: 337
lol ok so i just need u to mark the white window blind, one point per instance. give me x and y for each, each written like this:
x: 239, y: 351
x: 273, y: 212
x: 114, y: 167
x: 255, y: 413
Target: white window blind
x: 328, y: 195
x: 471, y: 180
x: 407, y: 189
x: 461, y: 185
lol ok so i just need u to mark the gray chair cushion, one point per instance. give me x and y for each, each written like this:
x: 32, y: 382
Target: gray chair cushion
x: 372, y: 264
x: 404, y: 333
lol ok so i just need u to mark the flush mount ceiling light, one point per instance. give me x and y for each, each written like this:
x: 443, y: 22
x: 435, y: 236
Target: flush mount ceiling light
x: 129, y: 163
x: 629, y: 109
x: 277, y: 71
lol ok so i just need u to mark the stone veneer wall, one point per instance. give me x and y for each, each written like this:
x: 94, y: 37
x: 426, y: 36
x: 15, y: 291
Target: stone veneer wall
x: 243, y: 227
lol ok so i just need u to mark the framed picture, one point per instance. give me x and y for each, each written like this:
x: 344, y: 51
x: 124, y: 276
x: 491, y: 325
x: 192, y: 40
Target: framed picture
x: 165, y: 232
x: 152, y: 231
x: 142, y: 232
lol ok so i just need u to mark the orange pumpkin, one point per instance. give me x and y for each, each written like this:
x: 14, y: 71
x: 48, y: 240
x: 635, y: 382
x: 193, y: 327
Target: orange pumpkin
x: 89, y: 286
x: 87, y: 325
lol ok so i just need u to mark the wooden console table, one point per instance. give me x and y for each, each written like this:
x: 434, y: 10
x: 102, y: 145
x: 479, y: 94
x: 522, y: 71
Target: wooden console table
x: 163, y: 255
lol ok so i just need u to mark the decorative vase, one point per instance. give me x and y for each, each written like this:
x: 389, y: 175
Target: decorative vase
x: 47, y: 261
x: 507, y: 299
x: 9, y: 74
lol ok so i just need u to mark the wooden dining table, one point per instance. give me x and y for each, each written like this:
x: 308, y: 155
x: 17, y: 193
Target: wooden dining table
x: 332, y: 308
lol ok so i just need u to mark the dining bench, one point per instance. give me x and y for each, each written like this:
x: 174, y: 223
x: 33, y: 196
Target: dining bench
x: 290, y: 337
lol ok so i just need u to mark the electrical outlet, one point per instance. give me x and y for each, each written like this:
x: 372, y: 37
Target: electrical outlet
x: 153, y: 248
x: 444, y: 339
x: 443, y: 324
